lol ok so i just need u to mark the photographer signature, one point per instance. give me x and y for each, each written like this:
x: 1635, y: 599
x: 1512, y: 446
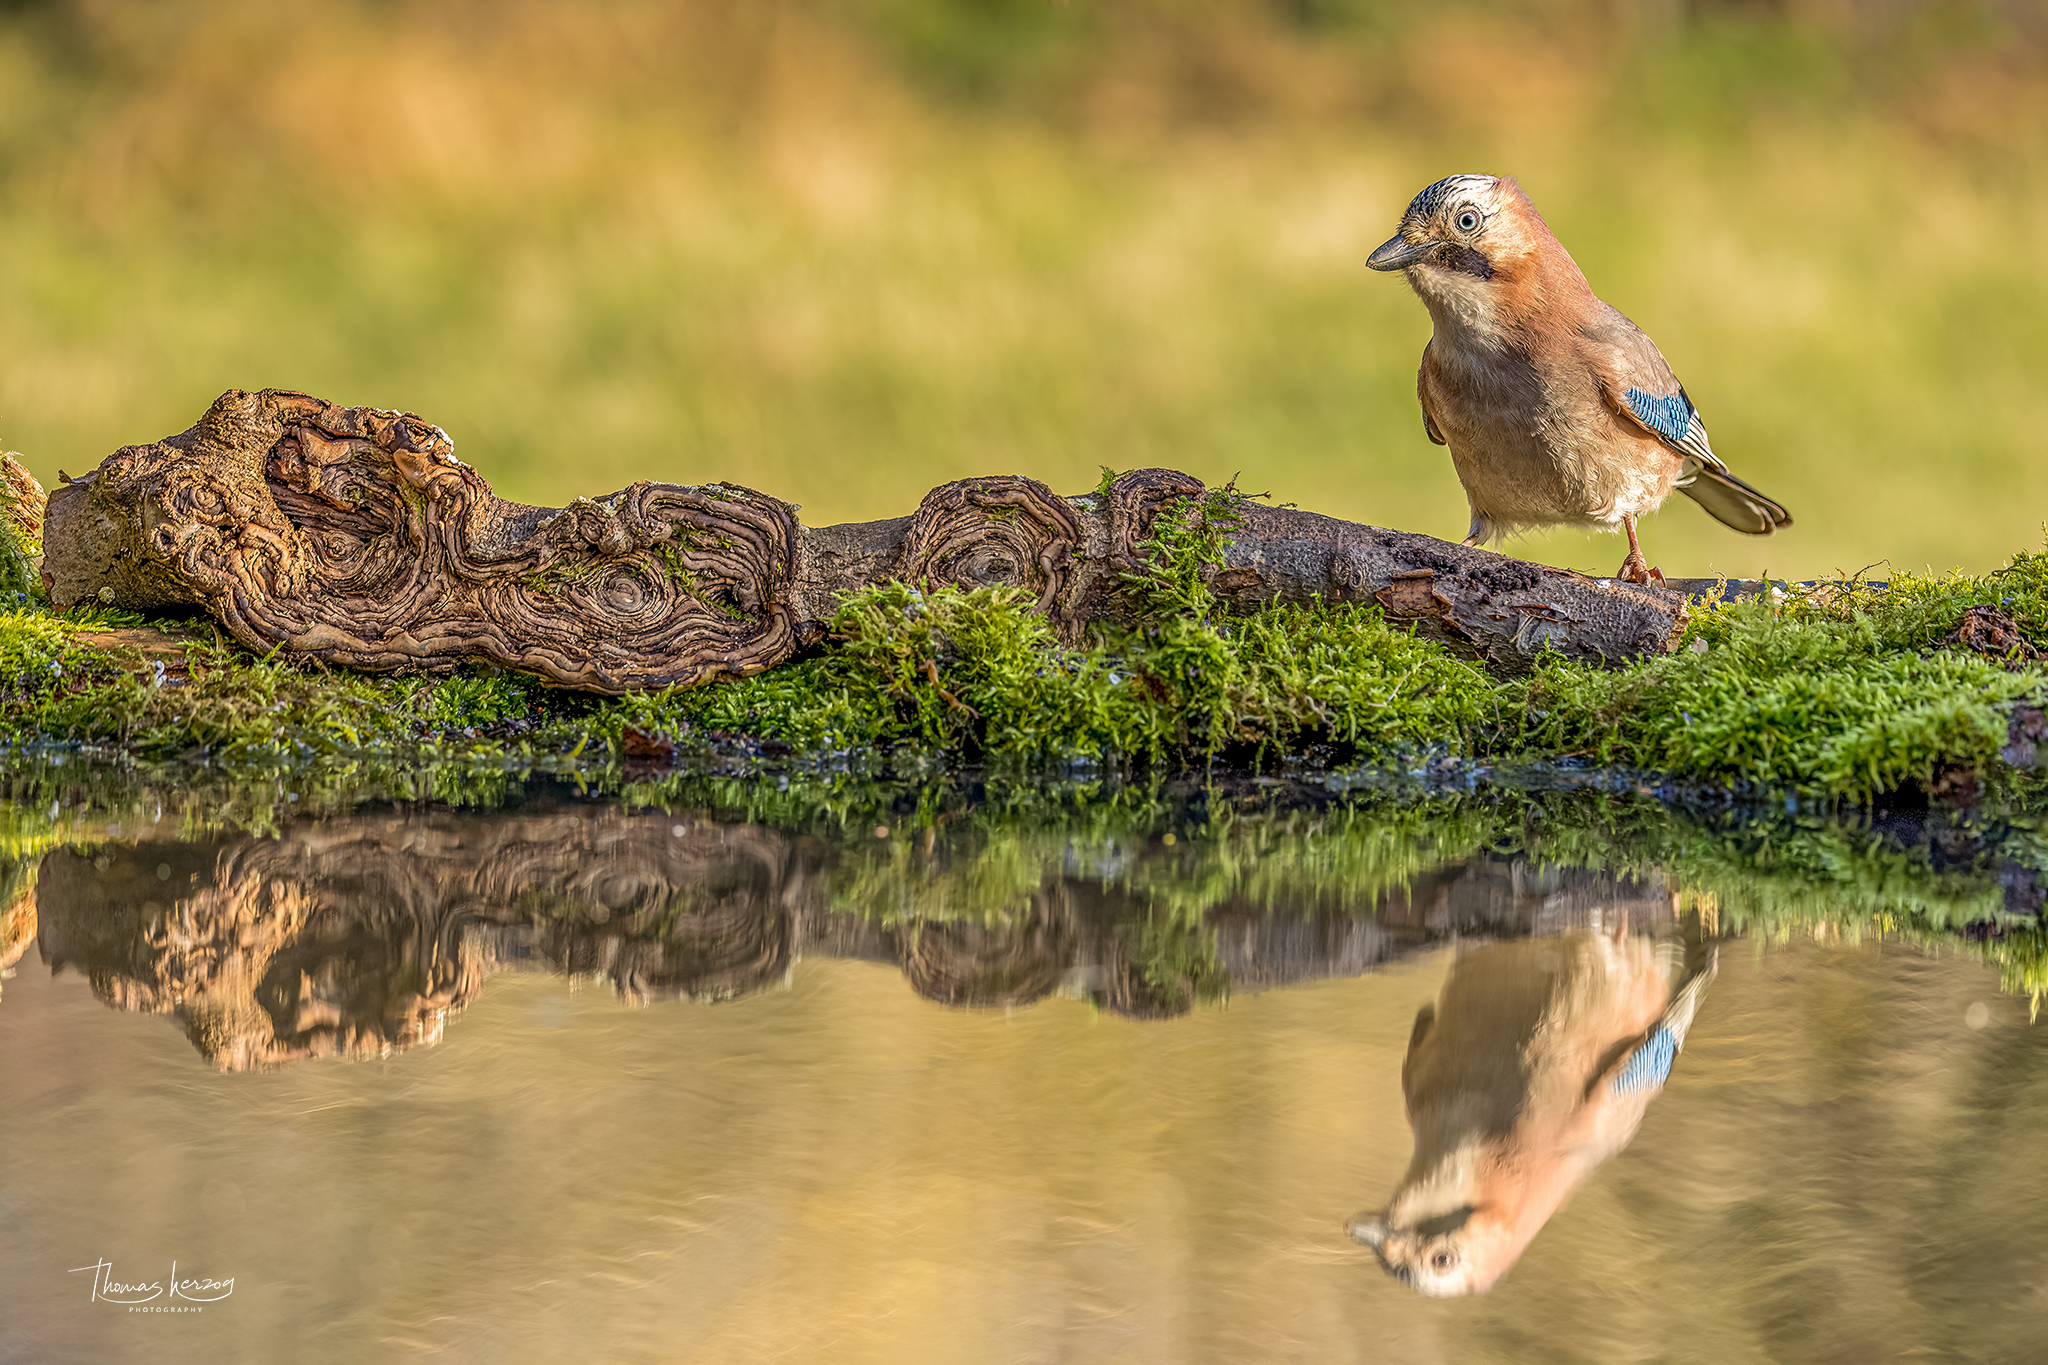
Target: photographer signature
x: 107, y: 1289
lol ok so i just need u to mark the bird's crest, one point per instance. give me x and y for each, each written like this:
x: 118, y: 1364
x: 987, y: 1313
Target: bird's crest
x: 1434, y: 197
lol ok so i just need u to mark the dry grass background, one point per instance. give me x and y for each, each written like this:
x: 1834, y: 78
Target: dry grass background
x: 843, y: 250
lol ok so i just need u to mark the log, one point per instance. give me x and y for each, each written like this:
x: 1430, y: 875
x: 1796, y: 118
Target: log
x: 354, y: 535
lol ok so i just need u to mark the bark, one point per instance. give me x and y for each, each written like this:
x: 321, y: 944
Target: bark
x: 22, y: 502
x: 354, y: 535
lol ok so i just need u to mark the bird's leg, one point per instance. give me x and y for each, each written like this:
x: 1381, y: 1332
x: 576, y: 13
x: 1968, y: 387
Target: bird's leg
x: 1636, y: 569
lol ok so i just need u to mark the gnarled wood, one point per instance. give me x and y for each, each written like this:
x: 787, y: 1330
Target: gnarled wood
x: 22, y: 502
x: 354, y: 535
x: 1000, y: 530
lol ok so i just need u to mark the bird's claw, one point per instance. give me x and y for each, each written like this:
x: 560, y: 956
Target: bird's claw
x: 1636, y: 569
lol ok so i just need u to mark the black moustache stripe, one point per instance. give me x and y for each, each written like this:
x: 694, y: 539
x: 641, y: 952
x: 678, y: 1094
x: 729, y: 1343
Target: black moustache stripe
x: 1470, y: 262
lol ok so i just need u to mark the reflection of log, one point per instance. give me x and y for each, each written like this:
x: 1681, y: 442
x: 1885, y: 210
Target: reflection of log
x: 354, y: 535
x: 961, y: 962
x: 360, y: 936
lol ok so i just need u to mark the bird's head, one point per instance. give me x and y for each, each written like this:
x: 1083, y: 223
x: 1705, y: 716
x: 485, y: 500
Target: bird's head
x: 1456, y: 1227
x: 1460, y: 1250
x: 1471, y: 244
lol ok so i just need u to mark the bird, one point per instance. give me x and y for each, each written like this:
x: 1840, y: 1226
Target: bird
x: 1535, y: 1065
x: 1557, y: 409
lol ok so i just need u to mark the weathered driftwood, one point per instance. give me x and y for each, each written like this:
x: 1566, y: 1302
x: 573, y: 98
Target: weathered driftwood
x: 354, y: 535
x: 22, y: 501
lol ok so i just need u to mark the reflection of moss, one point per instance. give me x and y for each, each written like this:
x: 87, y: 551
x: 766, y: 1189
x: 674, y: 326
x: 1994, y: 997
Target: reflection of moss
x: 1947, y: 881
x: 1967, y: 881
x: 17, y: 880
x: 1961, y: 882
x: 1165, y: 860
x: 1177, y: 961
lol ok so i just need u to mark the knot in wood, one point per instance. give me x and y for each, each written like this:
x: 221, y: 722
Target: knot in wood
x: 1135, y: 501
x: 1002, y: 530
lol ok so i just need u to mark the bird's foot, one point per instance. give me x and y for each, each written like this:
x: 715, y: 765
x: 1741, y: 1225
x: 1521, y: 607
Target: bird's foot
x: 1636, y: 569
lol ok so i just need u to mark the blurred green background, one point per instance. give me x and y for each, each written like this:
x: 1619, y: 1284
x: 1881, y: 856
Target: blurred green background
x: 843, y: 250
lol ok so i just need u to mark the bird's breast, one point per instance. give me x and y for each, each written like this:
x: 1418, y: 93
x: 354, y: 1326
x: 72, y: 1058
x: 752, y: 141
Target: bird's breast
x: 1533, y: 447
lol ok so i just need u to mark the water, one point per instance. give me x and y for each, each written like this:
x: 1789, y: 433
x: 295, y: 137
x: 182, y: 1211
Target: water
x: 969, y: 1079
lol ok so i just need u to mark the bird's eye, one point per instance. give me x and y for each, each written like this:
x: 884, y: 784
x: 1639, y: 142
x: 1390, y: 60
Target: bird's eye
x: 1468, y: 221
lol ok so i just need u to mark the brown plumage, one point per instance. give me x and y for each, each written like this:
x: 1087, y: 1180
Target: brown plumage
x: 1558, y: 411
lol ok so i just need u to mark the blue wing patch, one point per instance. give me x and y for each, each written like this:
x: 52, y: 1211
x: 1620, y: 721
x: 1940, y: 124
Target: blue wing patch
x: 1668, y: 417
x: 1650, y: 1064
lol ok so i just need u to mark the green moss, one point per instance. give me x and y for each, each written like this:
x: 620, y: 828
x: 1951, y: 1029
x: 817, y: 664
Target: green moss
x: 31, y: 643
x: 976, y: 674
x: 223, y: 706
x: 19, y: 582
x: 1839, y: 689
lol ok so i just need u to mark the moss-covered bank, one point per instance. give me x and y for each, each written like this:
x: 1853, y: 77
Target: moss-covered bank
x: 1840, y: 690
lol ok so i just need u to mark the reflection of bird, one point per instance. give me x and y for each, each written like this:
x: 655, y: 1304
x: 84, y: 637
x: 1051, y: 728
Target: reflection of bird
x: 1558, y: 412
x: 1534, y: 1067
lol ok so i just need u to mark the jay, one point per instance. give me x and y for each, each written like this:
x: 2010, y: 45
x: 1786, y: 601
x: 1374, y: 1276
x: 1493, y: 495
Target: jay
x: 1558, y: 411
x: 1535, y: 1065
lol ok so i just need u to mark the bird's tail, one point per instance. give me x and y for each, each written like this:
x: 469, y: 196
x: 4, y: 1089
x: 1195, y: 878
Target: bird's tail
x: 1678, y: 1015
x: 1734, y: 503
x: 1649, y: 1065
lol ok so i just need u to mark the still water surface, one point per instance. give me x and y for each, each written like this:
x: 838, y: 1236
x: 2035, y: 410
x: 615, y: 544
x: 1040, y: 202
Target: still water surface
x: 586, y: 1082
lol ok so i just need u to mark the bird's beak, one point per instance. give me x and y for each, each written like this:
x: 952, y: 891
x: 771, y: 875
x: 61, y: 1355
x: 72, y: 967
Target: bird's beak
x: 1396, y: 253
x: 1370, y: 1231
